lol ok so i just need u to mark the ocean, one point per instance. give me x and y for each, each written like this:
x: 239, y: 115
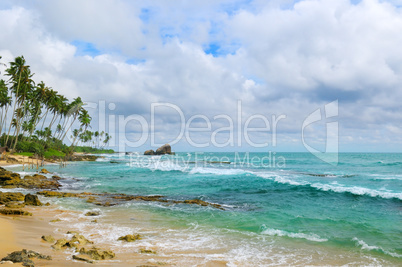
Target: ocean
x: 278, y: 208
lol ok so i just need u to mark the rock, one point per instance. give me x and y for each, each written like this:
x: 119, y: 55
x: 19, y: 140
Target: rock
x: 10, y: 196
x: 97, y: 254
x: 39, y: 181
x: 80, y: 239
x: 60, y: 243
x: 48, y: 238
x: 55, y: 220
x: 25, y: 257
x: 79, y: 258
x: 15, y: 212
x: 92, y: 213
x: 91, y: 199
x: 202, y: 203
x: 130, y: 238
x: 165, y: 149
x: 44, y: 171
x: 14, y: 205
x: 57, y: 194
x: 64, y: 243
x: 82, y: 158
x: 9, y: 179
x: 149, y: 152
x: 147, y: 251
x: 32, y: 200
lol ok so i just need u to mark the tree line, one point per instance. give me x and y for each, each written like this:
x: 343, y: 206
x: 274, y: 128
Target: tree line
x: 33, y: 112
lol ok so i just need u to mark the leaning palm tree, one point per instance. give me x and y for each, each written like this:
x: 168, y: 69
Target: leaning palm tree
x: 74, y: 110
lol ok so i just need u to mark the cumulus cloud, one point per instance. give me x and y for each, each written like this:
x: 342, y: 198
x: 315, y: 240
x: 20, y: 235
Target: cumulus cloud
x: 277, y: 57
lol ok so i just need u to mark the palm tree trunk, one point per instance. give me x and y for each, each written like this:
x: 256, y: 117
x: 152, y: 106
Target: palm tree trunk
x: 15, y: 104
x: 75, y: 117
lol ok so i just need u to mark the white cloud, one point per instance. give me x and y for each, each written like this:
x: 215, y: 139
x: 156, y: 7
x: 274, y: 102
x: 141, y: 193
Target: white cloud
x: 278, y: 57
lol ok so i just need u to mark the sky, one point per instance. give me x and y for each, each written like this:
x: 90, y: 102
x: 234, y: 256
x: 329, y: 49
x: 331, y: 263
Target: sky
x: 221, y: 75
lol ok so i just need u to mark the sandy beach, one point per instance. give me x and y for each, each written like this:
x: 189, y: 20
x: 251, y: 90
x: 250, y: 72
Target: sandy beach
x: 25, y: 232
x: 166, y: 240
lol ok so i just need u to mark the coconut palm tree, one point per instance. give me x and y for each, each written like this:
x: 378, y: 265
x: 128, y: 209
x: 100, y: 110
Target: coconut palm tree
x: 5, y: 103
x: 21, y: 83
x: 74, y: 110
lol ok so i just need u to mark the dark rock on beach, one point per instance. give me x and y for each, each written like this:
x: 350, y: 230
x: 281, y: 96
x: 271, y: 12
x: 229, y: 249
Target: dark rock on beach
x: 10, y: 179
x: 147, y: 251
x: 44, y: 171
x: 130, y: 238
x: 62, y: 243
x: 80, y: 258
x: 56, y: 194
x: 80, y: 240
x: 10, y: 197
x: 48, y: 238
x: 15, y: 212
x: 32, y: 200
x: 92, y: 213
x: 14, y: 205
x: 97, y: 254
x: 24, y: 256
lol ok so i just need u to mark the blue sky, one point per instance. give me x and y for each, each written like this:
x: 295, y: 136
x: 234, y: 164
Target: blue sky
x: 276, y: 57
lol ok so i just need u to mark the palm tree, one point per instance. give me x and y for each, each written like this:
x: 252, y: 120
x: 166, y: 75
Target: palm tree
x: 107, y: 139
x: 85, y: 119
x: 5, y: 103
x: 74, y: 110
x: 21, y: 84
x: 2, y: 63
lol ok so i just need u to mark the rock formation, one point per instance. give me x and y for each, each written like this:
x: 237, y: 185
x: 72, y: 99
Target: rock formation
x: 32, y: 200
x: 165, y: 149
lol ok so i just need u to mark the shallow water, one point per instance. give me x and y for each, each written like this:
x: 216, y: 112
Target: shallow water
x: 283, y: 208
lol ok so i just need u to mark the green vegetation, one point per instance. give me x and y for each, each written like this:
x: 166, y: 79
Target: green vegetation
x: 27, y: 154
x: 36, y: 119
x: 93, y: 150
x: 52, y: 154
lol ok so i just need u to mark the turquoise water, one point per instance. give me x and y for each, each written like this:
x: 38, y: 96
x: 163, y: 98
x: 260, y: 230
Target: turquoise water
x: 278, y: 201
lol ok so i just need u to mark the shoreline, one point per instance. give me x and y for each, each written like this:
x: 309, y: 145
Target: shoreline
x: 25, y: 232
x: 168, y: 241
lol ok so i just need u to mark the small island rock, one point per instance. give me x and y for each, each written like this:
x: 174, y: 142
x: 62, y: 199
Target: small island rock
x: 149, y: 152
x: 165, y: 149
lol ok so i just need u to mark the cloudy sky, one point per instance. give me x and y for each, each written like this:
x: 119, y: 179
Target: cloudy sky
x: 159, y: 68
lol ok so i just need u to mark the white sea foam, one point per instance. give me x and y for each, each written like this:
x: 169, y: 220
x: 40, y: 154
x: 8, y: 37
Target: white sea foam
x: 365, y: 246
x: 357, y: 190
x: 334, y: 187
x: 103, y: 159
x: 203, y: 170
x: 311, y: 237
x: 278, y: 178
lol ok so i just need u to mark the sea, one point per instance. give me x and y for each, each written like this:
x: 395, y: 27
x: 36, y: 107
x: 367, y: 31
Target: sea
x: 277, y: 208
